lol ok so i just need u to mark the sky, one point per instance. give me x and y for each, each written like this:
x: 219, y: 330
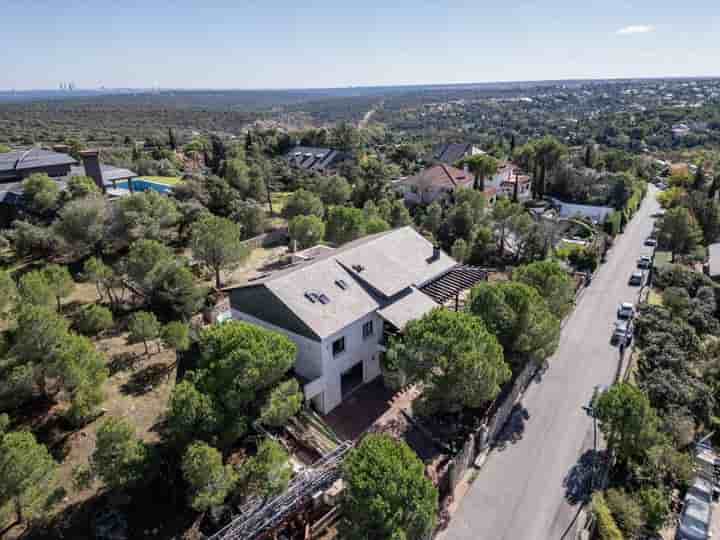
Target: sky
x: 337, y: 43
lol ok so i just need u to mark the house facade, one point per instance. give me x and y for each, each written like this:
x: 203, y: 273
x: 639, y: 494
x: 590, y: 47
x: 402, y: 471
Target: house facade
x: 504, y: 181
x: 433, y: 183
x: 336, y: 307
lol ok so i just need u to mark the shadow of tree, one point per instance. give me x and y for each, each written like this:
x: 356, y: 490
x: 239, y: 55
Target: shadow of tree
x: 143, y: 381
x: 125, y: 361
x: 514, y: 428
x: 578, y: 481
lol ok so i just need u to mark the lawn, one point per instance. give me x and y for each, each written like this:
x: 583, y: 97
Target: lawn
x: 655, y: 298
x: 167, y: 180
x: 279, y: 199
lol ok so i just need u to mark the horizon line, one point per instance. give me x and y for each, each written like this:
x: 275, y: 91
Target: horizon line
x: 359, y: 86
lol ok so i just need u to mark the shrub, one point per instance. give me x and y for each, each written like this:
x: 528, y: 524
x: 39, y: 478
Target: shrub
x: 607, y: 529
x: 94, y: 319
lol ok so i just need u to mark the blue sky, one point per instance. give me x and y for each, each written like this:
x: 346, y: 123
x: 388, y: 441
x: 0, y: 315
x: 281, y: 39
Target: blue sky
x: 325, y: 43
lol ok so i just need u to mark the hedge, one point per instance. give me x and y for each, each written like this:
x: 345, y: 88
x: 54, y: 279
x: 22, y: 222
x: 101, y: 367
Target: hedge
x: 607, y: 529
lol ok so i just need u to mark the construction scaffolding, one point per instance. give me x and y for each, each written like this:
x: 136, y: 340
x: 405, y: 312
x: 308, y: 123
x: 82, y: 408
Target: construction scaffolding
x: 259, y: 517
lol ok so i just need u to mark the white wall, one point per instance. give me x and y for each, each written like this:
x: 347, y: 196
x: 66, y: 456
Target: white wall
x: 596, y: 213
x: 356, y: 350
x: 315, y: 359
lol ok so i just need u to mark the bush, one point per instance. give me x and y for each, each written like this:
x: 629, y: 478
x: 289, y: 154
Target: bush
x: 626, y: 511
x: 94, y: 319
x: 612, y: 223
x: 607, y: 529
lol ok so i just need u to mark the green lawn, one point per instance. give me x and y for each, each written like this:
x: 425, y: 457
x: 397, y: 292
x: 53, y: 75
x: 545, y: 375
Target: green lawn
x: 655, y: 298
x: 279, y: 198
x: 167, y: 180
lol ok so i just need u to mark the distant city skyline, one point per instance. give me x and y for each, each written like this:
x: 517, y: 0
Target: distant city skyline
x: 221, y: 44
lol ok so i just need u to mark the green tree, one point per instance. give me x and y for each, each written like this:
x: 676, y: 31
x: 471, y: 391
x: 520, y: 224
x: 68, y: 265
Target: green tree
x: 459, y: 362
x: 82, y: 225
x: 143, y: 327
x: 191, y: 414
x: 656, y: 507
x: 307, y: 231
x: 303, y: 203
x: 376, y: 225
x: 94, y: 319
x: 433, y: 217
x: 41, y: 192
x: 8, y: 291
x: 333, y: 190
x: 399, y: 215
x: 387, y: 493
x: 27, y: 474
x: 176, y: 335
x: 344, y: 224
x: 284, y: 402
x: 120, y: 459
x: 460, y: 250
x: 210, y: 481
x: 60, y: 281
x: 552, y: 282
x: 482, y: 166
x: 35, y: 290
x: 145, y: 215
x: 80, y: 187
x: 503, y: 212
x: 548, y: 152
x: 627, y: 420
x: 267, y: 473
x: 626, y: 511
x: 239, y: 364
x: 216, y: 242
x: 699, y: 179
x: 679, y: 232
x: 520, y: 319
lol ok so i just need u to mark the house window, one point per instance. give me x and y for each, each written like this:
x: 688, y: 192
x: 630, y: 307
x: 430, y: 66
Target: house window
x: 367, y: 329
x: 338, y: 346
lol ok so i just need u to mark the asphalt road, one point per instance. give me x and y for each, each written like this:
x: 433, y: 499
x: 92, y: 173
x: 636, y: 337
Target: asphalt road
x: 527, y: 490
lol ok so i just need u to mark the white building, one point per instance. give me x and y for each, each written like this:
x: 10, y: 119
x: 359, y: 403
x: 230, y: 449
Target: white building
x: 334, y: 307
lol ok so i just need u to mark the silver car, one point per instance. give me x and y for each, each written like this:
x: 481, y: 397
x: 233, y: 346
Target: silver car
x: 637, y: 278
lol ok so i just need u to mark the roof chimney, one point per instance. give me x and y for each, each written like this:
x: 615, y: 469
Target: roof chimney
x: 435, y: 253
x: 91, y: 163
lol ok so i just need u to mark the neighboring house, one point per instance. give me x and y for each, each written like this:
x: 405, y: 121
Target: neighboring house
x: 313, y: 159
x: 16, y: 166
x: 597, y: 214
x: 504, y: 181
x: 433, y: 183
x: 452, y: 153
x: 337, y: 305
x: 713, y: 264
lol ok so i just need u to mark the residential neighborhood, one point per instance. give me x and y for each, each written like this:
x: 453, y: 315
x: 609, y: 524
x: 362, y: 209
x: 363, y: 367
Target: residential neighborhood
x: 267, y: 272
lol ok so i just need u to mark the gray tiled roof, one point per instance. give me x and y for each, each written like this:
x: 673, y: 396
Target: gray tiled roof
x: 109, y: 173
x: 412, y: 305
x: 375, y: 271
x: 32, y: 158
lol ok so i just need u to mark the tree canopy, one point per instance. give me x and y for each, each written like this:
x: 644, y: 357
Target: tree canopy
x: 387, y: 494
x: 459, y: 362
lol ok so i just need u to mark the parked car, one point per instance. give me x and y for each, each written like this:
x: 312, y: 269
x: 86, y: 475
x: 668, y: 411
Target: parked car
x: 637, y: 278
x: 694, y: 523
x: 644, y: 262
x: 622, y: 333
x: 649, y: 241
x: 626, y: 311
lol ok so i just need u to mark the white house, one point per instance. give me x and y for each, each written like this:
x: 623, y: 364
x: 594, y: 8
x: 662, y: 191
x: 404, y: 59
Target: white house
x: 335, y: 306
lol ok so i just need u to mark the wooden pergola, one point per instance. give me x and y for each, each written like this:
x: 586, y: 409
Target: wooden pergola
x: 448, y: 286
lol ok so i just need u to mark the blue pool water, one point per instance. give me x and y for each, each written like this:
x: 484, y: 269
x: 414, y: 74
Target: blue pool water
x: 140, y: 184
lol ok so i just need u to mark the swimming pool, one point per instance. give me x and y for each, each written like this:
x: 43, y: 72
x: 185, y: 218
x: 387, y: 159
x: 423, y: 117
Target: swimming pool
x: 140, y: 184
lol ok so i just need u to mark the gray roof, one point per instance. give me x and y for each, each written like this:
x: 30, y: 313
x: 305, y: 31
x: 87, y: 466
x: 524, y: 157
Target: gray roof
x: 32, y: 158
x: 451, y: 153
x: 109, y: 173
x: 355, y: 280
x: 312, y: 158
x: 411, y: 306
x: 714, y: 259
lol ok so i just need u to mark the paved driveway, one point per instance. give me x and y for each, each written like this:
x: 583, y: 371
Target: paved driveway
x: 528, y: 489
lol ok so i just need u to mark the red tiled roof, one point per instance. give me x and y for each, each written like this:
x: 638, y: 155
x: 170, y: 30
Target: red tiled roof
x: 440, y: 176
x: 489, y: 192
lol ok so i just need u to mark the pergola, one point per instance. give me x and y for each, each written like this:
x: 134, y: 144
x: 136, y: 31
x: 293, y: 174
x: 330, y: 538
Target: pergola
x: 449, y: 285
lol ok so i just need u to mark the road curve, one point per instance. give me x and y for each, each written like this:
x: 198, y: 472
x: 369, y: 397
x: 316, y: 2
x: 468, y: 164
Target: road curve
x: 521, y: 492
